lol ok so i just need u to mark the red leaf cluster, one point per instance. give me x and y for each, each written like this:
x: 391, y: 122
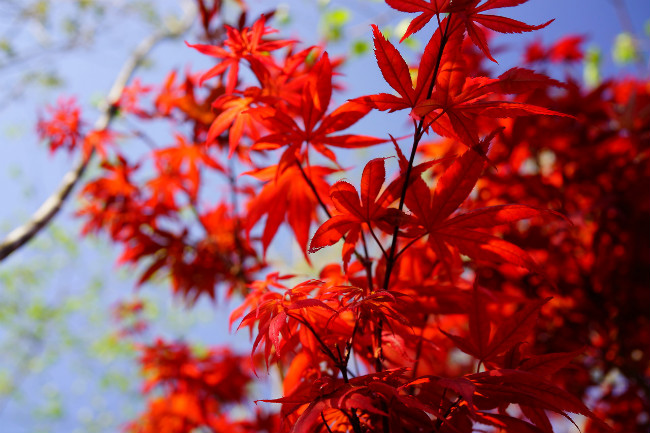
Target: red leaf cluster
x: 470, y: 275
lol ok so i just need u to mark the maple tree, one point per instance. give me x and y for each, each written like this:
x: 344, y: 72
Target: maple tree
x: 471, y: 289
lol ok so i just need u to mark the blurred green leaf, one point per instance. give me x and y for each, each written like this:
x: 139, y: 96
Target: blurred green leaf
x: 624, y: 51
x: 6, y: 383
x: 6, y: 47
x: 591, y: 73
x: 360, y: 47
x: 332, y: 23
x: 113, y: 378
x: 282, y: 14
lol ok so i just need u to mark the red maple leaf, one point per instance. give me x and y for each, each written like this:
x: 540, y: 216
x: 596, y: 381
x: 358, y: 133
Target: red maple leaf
x: 287, y: 195
x: 62, y: 129
x: 427, y: 11
x: 247, y: 43
x: 396, y: 72
x: 314, y: 128
x: 458, y: 100
x: 471, y: 13
x: 371, y: 210
x: 448, y: 232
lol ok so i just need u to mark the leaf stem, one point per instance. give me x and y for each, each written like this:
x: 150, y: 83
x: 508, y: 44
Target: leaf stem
x: 405, y: 247
x: 418, y: 349
x: 374, y: 236
x: 325, y: 348
x: 367, y: 264
x: 325, y: 422
x: 313, y: 189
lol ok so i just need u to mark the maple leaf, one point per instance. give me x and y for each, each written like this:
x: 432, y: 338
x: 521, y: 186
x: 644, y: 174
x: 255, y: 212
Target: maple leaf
x: 458, y: 100
x: 111, y: 199
x: 520, y: 80
x: 505, y: 422
x: 181, y: 96
x: 371, y: 209
x: 259, y: 290
x: 97, y: 141
x: 62, y: 129
x: 193, y: 389
x: 281, y: 85
x: 397, y: 74
x: 428, y: 10
x: 482, y: 344
x: 394, y: 70
x: 566, y: 49
x: 316, y: 128
x: 378, y: 305
x: 248, y: 43
x: 504, y: 386
x: 375, y: 394
x: 180, y: 168
x: 447, y: 232
x: 130, y: 98
x: 286, y: 195
x: 232, y: 118
x: 471, y: 14
x: 283, y: 321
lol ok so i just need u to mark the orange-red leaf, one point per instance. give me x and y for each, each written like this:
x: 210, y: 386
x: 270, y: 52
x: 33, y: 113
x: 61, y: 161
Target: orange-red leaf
x: 393, y: 67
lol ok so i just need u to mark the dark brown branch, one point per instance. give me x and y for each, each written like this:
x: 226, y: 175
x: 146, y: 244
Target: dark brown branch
x: 417, y: 136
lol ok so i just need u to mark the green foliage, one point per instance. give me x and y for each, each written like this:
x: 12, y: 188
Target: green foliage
x: 625, y: 49
x: 593, y: 60
x: 333, y: 22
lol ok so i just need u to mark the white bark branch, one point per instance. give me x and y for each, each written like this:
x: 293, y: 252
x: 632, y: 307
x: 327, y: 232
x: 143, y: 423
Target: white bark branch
x: 51, y: 206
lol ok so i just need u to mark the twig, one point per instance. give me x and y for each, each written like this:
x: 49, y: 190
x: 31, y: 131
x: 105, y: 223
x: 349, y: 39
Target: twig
x: 417, y: 136
x: 52, y: 205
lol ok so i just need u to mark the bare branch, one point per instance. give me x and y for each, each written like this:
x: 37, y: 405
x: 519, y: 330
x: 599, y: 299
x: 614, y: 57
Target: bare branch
x: 51, y: 206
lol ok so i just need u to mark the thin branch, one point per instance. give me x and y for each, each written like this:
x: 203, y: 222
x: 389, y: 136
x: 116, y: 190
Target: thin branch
x: 324, y: 347
x: 52, y: 205
x: 379, y: 354
x: 349, y: 348
x: 340, y: 361
x: 417, y: 136
x: 354, y: 420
